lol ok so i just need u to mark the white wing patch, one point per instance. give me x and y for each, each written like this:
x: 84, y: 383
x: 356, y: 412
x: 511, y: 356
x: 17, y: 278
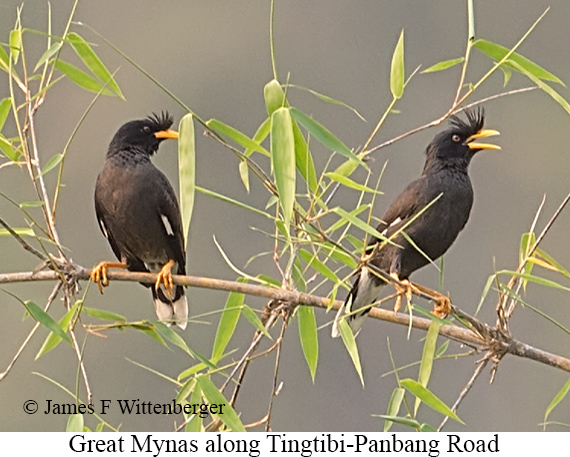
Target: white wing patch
x: 103, y: 228
x: 167, y: 225
x: 396, y: 221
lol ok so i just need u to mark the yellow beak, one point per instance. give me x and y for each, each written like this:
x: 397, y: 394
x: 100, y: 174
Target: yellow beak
x: 482, y: 134
x: 167, y: 134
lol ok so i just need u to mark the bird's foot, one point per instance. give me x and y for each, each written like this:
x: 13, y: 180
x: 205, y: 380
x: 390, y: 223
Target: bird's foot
x: 442, y: 305
x: 407, y: 289
x: 165, y: 277
x: 99, y: 273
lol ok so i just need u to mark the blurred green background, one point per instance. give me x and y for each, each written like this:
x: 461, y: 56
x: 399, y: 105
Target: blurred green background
x: 214, y: 55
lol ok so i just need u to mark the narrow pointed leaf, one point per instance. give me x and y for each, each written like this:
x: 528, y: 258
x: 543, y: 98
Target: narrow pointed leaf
x: 237, y: 136
x: 9, y: 150
x: 215, y: 397
x: 167, y: 332
x: 274, y: 96
x: 19, y: 231
x: 46, y: 320
x: 283, y: 160
x: 5, y: 106
x: 545, y: 87
x: 397, y: 73
x: 52, y: 163
x: 394, y: 406
x: 317, y: 265
x: 81, y: 78
x: 232, y: 201
x: 92, y: 61
x: 426, y: 364
x: 250, y: 315
x: 401, y: 420
x: 103, y: 314
x: 359, y: 223
x: 350, y: 344
x: 516, y: 60
x: 48, y: 54
x: 15, y: 44
x: 75, y: 423
x: 196, y: 424
x: 443, y: 65
x: 557, y: 399
x: 324, y: 136
x: 347, y: 182
x: 186, y: 171
x: 309, y: 337
x: 4, y: 59
x: 429, y: 398
x: 227, y: 324
x: 304, y: 159
x: 52, y: 339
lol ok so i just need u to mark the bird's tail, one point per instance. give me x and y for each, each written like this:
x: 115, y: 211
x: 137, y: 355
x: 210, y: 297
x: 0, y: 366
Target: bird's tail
x: 364, y: 292
x: 171, y: 310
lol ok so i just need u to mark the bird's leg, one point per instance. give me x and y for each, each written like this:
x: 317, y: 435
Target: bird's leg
x: 442, y: 305
x: 99, y: 273
x: 165, y: 276
x: 407, y: 289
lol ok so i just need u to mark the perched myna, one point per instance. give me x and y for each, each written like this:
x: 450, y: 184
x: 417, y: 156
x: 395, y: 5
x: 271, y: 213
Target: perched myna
x: 446, y: 185
x: 139, y: 215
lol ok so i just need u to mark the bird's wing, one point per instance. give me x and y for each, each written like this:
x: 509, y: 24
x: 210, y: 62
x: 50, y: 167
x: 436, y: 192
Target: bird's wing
x: 170, y: 216
x: 412, y: 199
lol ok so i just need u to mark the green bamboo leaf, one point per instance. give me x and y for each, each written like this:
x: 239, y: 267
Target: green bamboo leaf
x: 167, y: 332
x: 324, y: 136
x: 283, y: 160
x: 347, y: 182
x: 104, y: 315
x: 394, y: 406
x: 342, y: 222
x: 557, y: 399
x: 48, y: 54
x: 347, y: 168
x: 215, y: 397
x: 196, y: 424
x: 19, y: 231
x: 235, y: 135
x: 304, y: 159
x: 9, y: 150
x: 81, y: 78
x: 151, y: 332
x: 52, y: 339
x: 545, y: 87
x: 186, y: 390
x: 32, y: 204
x: 186, y: 170
x: 397, y: 73
x: 443, y: 65
x: 328, y: 99
x: 515, y: 61
x: 15, y: 44
x: 75, y: 423
x: 44, y: 319
x: 536, y: 279
x: 359, y: 224
x: 92, y: 61
x: 488, y: 284
x: 426, y: 364
x: 52, y: 163
x: 252, y: 318
x: 4, y: 59
x: 429, y: 398
x: 527, y: 241
x: 350, y: 344
x: 506, y: 75
x: 5, y: 106
x: 244, y: 174
x: 555, y: 265
x: 317, y: 265
x: 400, y: 420
x: 274, y: 96
x: 309, y: 337
x: 228, y: 322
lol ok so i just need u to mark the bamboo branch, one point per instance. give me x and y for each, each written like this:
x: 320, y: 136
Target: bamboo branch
x: 474, y: 336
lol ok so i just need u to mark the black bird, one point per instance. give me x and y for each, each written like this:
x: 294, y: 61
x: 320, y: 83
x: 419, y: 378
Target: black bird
x: 139, y: 215
x: 446, y: 185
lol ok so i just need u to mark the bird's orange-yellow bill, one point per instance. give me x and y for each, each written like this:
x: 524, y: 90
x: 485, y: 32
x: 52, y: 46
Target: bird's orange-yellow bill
x: 167, y: 134
x: 482, y: 134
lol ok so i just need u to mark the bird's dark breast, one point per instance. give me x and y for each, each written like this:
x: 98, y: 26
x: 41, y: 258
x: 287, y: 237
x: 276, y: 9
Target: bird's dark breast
x: 435, y: 230
x: 130, y: 211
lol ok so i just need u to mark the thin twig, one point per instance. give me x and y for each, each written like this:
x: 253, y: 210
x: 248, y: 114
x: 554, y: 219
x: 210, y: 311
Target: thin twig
x: 275, y: 389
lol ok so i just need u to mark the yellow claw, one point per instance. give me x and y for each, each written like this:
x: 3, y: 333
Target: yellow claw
x: 99, y: 273
x: 165, y: 277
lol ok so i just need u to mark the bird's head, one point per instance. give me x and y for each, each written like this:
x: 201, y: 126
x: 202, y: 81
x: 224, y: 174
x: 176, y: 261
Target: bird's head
x: 145, y: 134
x: 457, y: 145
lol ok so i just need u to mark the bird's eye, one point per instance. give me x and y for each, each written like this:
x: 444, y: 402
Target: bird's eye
x: 146, y: 129
x: 456, y: 138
